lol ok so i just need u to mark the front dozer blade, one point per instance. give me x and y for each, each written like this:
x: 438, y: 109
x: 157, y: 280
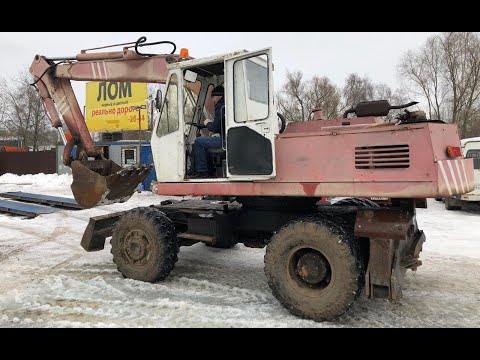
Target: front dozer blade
x: 102, y: 182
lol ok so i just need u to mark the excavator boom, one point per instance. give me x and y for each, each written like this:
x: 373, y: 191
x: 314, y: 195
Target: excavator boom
x: 98, y: 181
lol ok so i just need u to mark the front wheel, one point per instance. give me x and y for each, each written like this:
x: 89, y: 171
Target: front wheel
x: 314, y: 268
x: 145, y: 245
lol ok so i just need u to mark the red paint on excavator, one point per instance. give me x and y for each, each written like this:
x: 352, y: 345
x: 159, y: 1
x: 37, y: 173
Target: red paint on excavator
x: 309, y: 188
x: 363, y: 160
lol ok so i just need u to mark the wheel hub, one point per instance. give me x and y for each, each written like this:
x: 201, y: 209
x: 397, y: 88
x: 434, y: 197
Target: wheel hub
x: 312, y: 268
x: 308, y: 269
x: 136, y: 246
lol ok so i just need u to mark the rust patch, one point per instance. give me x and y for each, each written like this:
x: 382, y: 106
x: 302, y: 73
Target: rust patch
x: 383, y: 224
x: 309, y: 188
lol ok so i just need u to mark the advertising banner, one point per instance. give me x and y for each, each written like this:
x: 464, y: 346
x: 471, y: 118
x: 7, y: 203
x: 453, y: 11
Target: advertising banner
x: 113, y: 106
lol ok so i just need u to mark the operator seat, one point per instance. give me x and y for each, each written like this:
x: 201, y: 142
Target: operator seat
x: 218, y: 161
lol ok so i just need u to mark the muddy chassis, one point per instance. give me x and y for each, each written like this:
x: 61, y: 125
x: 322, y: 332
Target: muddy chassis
x: 319, y: 257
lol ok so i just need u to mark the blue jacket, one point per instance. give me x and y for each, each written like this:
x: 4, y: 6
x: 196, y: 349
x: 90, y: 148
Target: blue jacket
x: 218, y: 124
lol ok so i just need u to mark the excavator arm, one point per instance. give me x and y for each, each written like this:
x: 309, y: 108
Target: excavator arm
x: 98, y: 181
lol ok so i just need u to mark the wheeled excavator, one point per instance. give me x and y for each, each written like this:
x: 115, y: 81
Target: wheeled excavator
x: 267, y: 178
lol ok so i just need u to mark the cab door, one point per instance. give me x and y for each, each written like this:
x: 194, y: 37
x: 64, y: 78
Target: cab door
x: 250, y: 116
x: 167, y: 137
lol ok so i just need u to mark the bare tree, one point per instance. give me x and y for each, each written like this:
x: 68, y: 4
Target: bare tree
x: 23, y: 115
x: 322, y: 93
x: 291, y: 99
x: 423, y: 69
x: 394, y: 97
x: 383, y: 92
x: 299, y: 97
x: 462, y: 74
x: 356, y: 90
x: 446, y: 73
x: 3, y: 114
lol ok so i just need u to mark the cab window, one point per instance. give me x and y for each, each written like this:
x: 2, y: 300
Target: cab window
x: 168, y: 122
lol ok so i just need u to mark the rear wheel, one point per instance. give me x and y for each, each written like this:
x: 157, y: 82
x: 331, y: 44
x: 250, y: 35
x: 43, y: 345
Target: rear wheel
x: 314, y: 268
x: 144, y: 245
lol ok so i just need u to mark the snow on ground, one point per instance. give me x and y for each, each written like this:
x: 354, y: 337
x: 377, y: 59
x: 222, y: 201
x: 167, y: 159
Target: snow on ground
x: 48, y: 280
x: 45, y: 182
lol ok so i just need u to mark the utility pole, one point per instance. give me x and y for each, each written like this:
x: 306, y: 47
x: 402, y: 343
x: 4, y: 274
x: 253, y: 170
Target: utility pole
x: 139, y: 108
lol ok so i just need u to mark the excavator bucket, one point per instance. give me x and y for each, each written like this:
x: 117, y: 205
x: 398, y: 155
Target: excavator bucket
x: 102, y: 182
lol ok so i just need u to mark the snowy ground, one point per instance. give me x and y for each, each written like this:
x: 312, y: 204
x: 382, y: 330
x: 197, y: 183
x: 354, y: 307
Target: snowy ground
x: 48, y: 280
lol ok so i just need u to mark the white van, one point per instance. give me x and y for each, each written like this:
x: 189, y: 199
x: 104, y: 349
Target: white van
x: 470, y: 149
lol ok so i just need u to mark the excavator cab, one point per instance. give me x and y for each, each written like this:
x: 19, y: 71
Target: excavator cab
x: 251, y: 120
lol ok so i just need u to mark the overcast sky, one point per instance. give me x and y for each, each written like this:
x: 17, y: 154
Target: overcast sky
x: 334, y: 55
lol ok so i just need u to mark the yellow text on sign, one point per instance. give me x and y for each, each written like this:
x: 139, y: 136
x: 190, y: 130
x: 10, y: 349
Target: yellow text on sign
x: 111, y: 106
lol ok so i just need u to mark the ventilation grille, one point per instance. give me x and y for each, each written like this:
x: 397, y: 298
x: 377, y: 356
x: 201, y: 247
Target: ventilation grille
x: 382, y: 157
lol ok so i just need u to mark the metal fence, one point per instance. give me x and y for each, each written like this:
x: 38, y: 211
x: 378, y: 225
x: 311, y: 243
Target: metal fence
x: 21, y: 163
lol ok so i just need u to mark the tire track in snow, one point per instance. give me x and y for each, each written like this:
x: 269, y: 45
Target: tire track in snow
x: 111, y: 304
x: 51, y: 237
x: 429, y: 301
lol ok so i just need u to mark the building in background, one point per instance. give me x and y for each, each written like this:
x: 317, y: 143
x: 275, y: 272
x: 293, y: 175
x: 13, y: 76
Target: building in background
x: 123, y: 152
